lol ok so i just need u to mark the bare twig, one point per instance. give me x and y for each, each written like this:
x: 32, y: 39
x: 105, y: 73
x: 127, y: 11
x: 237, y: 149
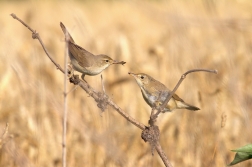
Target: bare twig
x: 152, y: 134
x: 162, y: 155
x: 89, y: 90
x: 73, y: 89
x: 154, y: 116
x: 35, y: 35
x: 102, y: 83
x: 176, y: 87
x: 107, y: 101
x: 64, y: 123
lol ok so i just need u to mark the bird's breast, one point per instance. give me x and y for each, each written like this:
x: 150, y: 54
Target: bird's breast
x: 152, y: 97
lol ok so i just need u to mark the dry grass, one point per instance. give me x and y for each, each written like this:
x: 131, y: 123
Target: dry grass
x: 163, y: 39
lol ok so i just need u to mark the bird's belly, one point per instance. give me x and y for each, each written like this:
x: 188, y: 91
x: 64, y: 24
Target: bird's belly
x: 85, y: 70
x: 153, y: 99
x: 95, y: 70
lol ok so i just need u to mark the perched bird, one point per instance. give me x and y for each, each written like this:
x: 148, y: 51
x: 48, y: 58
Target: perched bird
x: 155, y: 93
x: 84, y: 61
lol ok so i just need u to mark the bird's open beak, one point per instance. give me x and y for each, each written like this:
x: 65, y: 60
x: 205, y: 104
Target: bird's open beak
x: 118, y: 62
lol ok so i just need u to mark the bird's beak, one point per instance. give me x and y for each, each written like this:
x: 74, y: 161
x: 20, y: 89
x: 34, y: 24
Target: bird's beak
x: 132, y: 74
x: 139, y: 82
x: 118, y: 62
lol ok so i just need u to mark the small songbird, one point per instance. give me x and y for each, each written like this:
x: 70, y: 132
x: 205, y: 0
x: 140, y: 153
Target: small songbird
x: 155, y: 93
x: 84, y: 61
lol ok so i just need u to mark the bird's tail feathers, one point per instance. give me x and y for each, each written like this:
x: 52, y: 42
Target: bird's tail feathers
x: 183, y: 105
x: 68, y: 37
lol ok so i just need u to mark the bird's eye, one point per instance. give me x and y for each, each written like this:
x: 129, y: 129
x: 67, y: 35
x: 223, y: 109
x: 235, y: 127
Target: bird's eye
x: 106, y: 61
x: 142, y: 77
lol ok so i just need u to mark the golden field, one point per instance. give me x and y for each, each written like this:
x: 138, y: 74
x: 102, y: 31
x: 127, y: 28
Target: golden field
x: 161, y: 38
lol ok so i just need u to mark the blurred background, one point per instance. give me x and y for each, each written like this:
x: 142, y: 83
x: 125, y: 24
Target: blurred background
x: 161, y: 38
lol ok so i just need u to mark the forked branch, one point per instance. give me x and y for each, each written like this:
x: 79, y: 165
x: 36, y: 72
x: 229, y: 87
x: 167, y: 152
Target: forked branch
x: 75, y: 79
x: 154, y: 116
x: 89, y: 90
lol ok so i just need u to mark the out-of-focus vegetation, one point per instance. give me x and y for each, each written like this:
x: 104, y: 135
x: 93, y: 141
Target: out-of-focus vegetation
x: 160, y: 38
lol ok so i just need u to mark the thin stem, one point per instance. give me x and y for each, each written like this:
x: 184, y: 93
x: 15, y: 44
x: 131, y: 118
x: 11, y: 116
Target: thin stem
x: 35, y: 35
x: 162, y: 155
x: 64, y: 143
x: 89, y: 90
x: 95, y: 95
x: 178, y: 84
x: 73, y: 89
x: 102, y: 83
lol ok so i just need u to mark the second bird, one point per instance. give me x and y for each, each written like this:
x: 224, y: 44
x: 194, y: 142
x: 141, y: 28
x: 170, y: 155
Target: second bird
x: 155, y: 93
x: 84, y: 61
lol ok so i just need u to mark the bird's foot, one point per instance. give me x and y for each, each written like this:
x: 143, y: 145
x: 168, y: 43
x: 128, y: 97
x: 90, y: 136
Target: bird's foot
x: 82, y: 77
x: 70, y: 70
x: 158, y: 104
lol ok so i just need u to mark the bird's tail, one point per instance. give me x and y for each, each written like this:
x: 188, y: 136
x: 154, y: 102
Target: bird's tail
x: 68, y: 37
x: 183, y: 105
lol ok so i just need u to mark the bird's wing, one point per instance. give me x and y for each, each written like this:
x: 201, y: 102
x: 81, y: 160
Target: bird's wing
x: 83, y: 57
x: 162, y: 87
x: 159, y: 89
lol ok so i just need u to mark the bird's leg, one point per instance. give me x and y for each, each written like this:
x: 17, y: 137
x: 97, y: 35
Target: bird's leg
x: 82, y: 77
x: 70, y: 70
x: 158, y: 103
x: 70, y: 73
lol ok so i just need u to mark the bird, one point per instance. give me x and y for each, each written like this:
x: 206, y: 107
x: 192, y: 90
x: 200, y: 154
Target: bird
x: 155, y: 93
x: 84, y: 61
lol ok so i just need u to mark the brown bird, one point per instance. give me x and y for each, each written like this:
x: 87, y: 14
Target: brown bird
x: 84, y: 61
x: 155, y: 93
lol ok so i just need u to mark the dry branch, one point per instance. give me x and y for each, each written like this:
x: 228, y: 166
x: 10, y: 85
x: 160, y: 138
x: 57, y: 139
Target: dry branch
x: 84, y: 85
x: 150, y: 134
x: 154, y: 116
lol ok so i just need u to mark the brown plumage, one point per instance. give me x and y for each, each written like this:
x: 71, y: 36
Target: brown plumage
x: 84, y: 61
x: 155, y: 93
